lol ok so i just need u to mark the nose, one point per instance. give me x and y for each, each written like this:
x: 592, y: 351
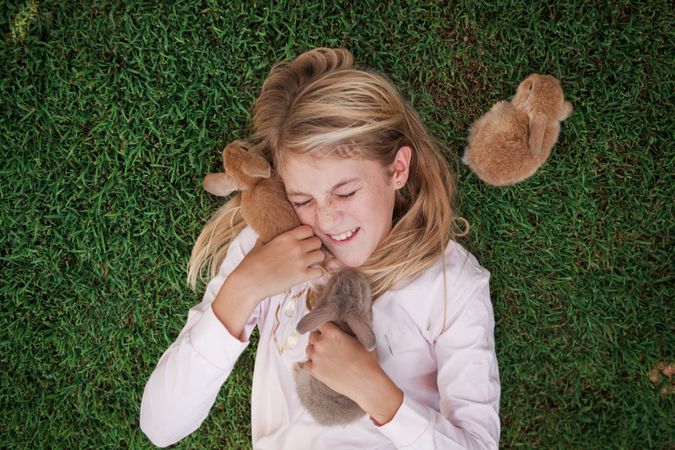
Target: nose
x: 327, y: 218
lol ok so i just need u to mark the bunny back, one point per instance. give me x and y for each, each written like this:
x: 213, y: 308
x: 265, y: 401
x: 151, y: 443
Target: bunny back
x: 267, y: 210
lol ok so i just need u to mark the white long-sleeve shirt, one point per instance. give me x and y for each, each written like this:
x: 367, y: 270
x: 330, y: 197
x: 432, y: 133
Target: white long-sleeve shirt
x: 440, y: 354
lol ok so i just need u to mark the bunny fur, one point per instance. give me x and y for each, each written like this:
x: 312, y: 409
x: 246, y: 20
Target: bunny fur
x: 346, y: 301
x: 264, y: 205
x: 511, y: 141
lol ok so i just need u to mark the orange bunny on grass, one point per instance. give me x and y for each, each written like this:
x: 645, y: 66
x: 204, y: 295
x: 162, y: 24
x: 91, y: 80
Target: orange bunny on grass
x: 511, y: 141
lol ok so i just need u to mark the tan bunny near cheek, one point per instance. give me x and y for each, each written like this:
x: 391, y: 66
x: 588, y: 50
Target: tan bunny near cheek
x: 511, y: 141
x: 264, y: 205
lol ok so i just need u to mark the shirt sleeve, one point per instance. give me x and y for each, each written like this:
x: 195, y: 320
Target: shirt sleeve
x: 183, y: 387
x: 468, y: 384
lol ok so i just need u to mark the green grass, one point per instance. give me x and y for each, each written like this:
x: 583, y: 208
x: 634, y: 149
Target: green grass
x: 111, y: 113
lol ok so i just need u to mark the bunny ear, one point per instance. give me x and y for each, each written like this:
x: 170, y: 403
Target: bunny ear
x: 537, y: 130
x: 316, y: 318
x: 257, y: 167
x: 366, y: 293
x: 362, y: 331
x: 219, y: 184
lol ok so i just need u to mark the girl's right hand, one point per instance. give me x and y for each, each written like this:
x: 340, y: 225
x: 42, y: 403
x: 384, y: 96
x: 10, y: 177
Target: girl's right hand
x: 285, y: 261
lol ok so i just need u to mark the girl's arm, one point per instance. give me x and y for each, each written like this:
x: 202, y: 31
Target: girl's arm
x: 468, y: 384
x: 190, y: 373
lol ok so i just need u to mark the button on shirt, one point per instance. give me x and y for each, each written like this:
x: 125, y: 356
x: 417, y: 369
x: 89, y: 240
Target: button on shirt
x: 435, y: 340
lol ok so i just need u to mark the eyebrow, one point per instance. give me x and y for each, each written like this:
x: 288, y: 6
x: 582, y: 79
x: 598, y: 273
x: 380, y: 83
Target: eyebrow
x: 337, y: 186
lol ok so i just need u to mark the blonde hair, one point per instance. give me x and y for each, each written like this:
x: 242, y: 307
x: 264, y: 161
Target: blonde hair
x: 321, y: 104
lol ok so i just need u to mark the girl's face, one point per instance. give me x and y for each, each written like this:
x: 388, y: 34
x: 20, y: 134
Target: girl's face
x: 349, y: 203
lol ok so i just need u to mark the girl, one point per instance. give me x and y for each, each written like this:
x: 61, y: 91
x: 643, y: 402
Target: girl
x: 367, y: 182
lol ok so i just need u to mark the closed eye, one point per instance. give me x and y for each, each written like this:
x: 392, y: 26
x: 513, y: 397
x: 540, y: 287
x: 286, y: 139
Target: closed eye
x: 347, y: 195
x: 299, y: 205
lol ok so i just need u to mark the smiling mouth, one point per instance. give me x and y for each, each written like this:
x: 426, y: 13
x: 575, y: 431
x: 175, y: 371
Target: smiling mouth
x: 343, y: 237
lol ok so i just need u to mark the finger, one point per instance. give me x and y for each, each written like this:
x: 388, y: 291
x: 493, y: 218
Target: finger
x: 321, y: 266
x: 302, y: 232
x: 310, y: 244
x: 314, y: 257
x: 334, y: 264
x: 312, y: 273
x: 328, y: 328
x: 313, y: 337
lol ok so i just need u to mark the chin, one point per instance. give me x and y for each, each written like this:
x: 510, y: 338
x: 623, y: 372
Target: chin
x: 352, y: 263
x: 354, y: 255
x: 351, y: 260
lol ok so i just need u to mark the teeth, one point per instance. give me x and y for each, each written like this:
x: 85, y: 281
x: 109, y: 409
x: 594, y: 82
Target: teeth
x: 343, y: 236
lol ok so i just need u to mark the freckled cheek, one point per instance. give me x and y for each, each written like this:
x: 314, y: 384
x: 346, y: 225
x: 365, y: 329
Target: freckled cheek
x: 380, y: 213
x: 306, y: 216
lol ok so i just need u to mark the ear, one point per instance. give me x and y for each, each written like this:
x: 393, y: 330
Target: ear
x: 537, y: 130
x: 257, y: 167
x: 366, y: 293
x: 219, y: 184
x: 362, y: 331
x: 401, y: 166
x: 316, y: 318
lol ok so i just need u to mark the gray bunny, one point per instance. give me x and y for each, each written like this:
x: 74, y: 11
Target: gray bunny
x: 346, y: 301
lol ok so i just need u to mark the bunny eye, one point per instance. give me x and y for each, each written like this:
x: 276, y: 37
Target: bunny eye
x: 530, y: 86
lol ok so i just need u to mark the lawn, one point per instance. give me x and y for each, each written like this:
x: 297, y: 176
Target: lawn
x: 111, y: 114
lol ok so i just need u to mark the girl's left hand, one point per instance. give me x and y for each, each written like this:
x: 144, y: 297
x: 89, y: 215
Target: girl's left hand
x: 340, y: 361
